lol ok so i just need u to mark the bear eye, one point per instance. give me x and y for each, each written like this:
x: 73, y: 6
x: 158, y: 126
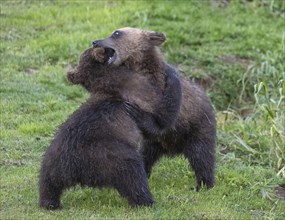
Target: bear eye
x: 116, y: 34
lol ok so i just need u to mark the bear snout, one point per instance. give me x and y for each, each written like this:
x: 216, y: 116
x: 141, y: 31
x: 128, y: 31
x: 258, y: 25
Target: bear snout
x: 95, y: 43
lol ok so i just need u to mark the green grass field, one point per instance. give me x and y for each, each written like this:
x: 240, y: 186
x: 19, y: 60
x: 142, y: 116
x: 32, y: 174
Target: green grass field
x: 237, y: 52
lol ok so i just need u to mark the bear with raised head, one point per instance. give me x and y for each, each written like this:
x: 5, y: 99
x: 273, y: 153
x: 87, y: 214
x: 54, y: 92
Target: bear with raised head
x: 98, y: 145
x: 194, y: 133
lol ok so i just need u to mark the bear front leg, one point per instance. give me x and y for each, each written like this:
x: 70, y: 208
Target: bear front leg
x: 166, y: 111
x: 144, y: 120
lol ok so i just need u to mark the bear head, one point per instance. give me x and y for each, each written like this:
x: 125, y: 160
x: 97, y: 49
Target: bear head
x: 129, y: 45
x: 92, y: 65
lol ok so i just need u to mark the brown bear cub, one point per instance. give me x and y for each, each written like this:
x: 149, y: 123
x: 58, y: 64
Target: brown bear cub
x: 194, y: 133
x: 98, y: 145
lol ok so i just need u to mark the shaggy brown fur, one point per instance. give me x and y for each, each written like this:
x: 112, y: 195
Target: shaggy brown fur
x: 154, y: 101
x: 98, y: 145
x: 194, y: 133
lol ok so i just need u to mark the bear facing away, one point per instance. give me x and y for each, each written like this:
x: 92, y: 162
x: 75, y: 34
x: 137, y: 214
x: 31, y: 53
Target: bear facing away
x: 194, y: 133
x: 98, y: 145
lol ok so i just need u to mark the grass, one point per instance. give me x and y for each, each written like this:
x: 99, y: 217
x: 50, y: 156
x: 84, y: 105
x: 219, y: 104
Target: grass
x: 236, y: 52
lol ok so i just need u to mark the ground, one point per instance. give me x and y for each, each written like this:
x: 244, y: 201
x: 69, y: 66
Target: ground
x: 237, y: 51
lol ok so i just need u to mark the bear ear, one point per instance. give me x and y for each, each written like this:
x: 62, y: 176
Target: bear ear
x: 156, y: 38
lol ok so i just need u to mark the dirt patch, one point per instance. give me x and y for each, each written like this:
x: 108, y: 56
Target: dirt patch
x: 17, y: 163
x: 31, y: 71
x: 280, y: 191
x: 197, y: 75
x: 235, y: 60
x: 205, y: 83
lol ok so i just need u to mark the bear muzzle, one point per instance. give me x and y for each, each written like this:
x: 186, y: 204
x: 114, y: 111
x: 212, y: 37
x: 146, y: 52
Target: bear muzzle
x: 95, y: 43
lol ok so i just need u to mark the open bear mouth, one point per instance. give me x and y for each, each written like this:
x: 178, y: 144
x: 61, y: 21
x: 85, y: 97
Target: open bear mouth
x: 111, y: 53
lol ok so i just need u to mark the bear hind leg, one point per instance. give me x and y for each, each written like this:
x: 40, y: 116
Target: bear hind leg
x: 49, y: 194
x: 151, y: 152
x: 132, y: 184
x: 201, y: 156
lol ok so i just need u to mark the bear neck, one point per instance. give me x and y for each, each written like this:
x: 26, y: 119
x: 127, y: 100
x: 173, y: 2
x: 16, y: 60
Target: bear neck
x: 150, y: 63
